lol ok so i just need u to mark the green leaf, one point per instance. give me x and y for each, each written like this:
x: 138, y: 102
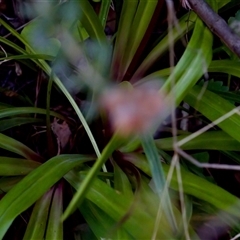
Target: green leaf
x: 185, y: 24
x: 99, y: 221
x: 225, y: 66
x: 124, y: 30
x: 142, y: 18
x: 34, y: 185
x: 116, y: 205
x: 212, y: 140
x: 199, y: 61
x: 15, y: 146
x: 8, y: 112
x: 17, y: 121
x: 81, y: 193
x: 198, y: 187
x: 213, y: 107
x: 37, y: 224
x: 91, y: 23
x: 6, y: 183
x: 16, y: 166
x: 121, y: 182
x: 158, y: 177
x: 55, y: 226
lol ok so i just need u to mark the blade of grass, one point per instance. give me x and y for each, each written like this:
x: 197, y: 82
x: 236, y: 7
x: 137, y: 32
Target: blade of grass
x: 91, y: 23
x: 55, y: 226
x: 6, y: 183
x: 127, y: 15
x: 225, y: 66
x: 142, y: 18
x: 213, y: 107
x: 185, y: 24
x: 196, y: 69
x: 17, y: 147
x: 81, y: 192
x: 46, y: 68
x: 213, y: 140
x: 103, y: 14
x: 16, y: 166
x: 17, y: 121
x: 8, y: 112
x: 28, y: 56
x: 37, y: 224
x: 24, y: 194
x: 116, y: 205
x: 158, y: 177
x: 100, y: 222
x: 197, y: 187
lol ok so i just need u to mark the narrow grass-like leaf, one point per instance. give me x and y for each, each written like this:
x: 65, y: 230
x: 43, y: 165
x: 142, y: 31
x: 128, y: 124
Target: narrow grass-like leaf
x: 103, y: 14
x: 121, y: 182
x: 116, y: 205
x: 46, y: 68
x: 28, y: 56
x: 91, y: 22
x: 213, y: 107
x: 17, y: 121
x: 196, y: 68
x: 34, y: 185
x: 127, y: 15
x: 8, y: 112
x: 185, y: 24
x: 142, y: 18
x: 15, y: 146
x: 55, y: 226
x: 6, y: 183
x: 81, y: 193
x: 16, y: 166
x: 213, y: 140
x: 225, y: 66
x: 158, y: 177
x: 37, y: 224
x: 100, y: 223
x: 198, y: 187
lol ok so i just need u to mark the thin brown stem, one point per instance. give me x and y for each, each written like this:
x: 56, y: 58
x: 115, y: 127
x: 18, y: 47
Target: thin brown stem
x: 216, y: 24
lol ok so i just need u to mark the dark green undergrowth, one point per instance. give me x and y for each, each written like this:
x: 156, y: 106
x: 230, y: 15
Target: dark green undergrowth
x: 118, y: 122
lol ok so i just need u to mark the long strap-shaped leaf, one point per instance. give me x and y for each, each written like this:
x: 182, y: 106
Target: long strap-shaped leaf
x: 127, y: 15
x: 113, y: 144
x: 213, y: 107
x: 212, y: 140
x: 142, y: 18
x: 158, y: 177
x: 8, y: 112
x: 92, y: 23
x: 37, y: 224
x: 197, y: 187
x: 116, y: 205
x: 47, y: 69
x: 186, y: 23
x: 33, y: 186
x: 15, y: 146
x: 198, y: 66
x: 55, y: 225
x: 225, y: 66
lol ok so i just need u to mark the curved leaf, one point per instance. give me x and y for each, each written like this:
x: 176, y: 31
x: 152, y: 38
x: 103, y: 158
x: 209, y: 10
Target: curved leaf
x: 213, y: 107
x: 213, y: 140
x: 15, y: 146
x: 37, y: 224
x: 16, y: 166
x: 33, y: 186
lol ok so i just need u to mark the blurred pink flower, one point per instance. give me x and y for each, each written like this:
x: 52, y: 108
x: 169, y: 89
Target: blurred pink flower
x: 133, y: 111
